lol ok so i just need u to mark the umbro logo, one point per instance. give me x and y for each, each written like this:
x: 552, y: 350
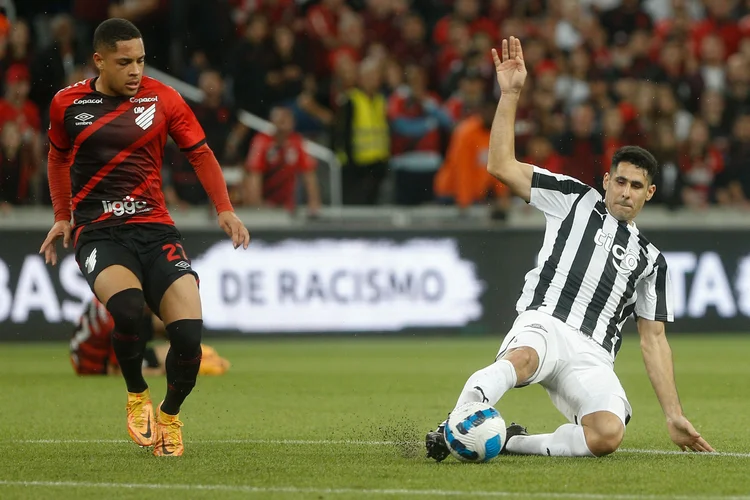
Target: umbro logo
x: 83, y: 118
x: 184, y: 265
x: 145, y: 116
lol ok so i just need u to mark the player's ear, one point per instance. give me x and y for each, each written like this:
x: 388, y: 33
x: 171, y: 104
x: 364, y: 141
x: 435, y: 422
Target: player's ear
x: 605, y: 182
x: 98, y: 61
x: 650, y: 192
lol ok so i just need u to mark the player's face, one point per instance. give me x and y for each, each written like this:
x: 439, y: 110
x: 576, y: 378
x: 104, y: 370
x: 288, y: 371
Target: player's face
x: 627, y: 188
x: 122, y: 68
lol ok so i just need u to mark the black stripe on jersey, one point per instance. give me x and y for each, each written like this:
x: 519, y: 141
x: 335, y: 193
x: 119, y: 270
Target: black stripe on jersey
x: 606, y: 283
x: 551, y: 183
x: 618, y: 316
x: 194, y: 147
x: 550, y: 266
x: 661, y: 313
x: 580, y: 264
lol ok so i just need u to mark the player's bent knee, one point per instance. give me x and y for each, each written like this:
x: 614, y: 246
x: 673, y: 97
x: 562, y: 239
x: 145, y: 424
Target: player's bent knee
x: 185, y: 337
x: 525, y: 360
x: 126, y: 308
x: 604, y: 439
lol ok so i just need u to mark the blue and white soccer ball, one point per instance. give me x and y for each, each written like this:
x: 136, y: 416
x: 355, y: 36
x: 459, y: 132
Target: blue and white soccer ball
x: 475, y: 432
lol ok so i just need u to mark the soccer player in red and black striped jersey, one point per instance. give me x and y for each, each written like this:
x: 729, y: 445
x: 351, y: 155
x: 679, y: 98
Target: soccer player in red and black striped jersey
x: 107, y: 138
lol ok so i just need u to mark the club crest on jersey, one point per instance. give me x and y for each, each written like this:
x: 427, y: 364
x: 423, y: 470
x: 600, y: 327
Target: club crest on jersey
x: 145, y: 115
x: 128, y: 205
x: 624, y: 261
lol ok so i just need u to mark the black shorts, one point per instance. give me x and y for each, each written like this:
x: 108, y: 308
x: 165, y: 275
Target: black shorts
x: 153, y: 252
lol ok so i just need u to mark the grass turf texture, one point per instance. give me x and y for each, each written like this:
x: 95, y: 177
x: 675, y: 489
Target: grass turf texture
x: 362, y: 390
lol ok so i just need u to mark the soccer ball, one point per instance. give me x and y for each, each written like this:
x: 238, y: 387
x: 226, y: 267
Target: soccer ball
x: 475, y: 432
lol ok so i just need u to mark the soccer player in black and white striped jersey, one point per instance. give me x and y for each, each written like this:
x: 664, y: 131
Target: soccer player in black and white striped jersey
x: 594, y: 270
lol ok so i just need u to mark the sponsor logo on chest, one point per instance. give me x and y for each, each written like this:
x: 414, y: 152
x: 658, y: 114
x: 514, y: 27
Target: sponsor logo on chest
x: 144, y: 114
x: 624, y: 260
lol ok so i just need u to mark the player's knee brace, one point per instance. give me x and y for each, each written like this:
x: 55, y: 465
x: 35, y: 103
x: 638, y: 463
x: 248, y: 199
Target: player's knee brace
x: 126, y: 308
x: 185, y: 339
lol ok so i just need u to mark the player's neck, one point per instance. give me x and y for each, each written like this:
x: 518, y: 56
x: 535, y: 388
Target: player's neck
x: 103, y: 87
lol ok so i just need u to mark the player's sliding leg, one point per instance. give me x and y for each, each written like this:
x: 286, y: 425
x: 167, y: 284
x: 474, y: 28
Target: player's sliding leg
x: 514, y: 365
x: 181, y: 312
x: 120, y: 290
x: 600, y: 434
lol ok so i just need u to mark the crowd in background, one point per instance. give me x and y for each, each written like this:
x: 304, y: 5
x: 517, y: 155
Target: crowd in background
x: 404, y: 91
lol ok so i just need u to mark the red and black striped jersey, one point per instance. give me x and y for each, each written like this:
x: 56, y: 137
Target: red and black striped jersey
x: 91, y: 346
x: 116, y: 145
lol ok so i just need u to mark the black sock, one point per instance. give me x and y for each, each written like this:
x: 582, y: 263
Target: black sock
x: 126, y: 308
x: 183, y: 362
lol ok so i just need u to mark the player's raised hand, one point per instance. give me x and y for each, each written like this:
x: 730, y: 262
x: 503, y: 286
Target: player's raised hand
x: 61, y: 228
x: 685, y: 436
x: 235, y: 229
x: 511, y: 69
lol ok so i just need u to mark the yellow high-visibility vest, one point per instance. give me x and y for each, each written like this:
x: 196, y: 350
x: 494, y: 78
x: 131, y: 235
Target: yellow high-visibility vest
x: 371, y: 141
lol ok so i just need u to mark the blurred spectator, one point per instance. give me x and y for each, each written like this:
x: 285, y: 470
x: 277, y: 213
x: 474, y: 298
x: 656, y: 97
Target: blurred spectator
x: 712, y: 62
x: 541, y: 153
x: 224, y: 133
x: 19, y: 45
x: 274, y: 163
x: 463, y: 178
x: 625, y: 19
x: 380, y: 22
x: 582, y: 147
x: 468, y: 12
x: 720, y: 20
x: 361, y: 138
x: 16, y: 168
x: 16, y: 107
x: 249, y: 68
x: 700, y: 163
x: 287, y: 67
x: 713, y: 111
x: 411, y: 45
x: 415, y: 117
x: 665, y: 149
x: 733, y: 185
x: 469, y: 96
x: 54, y: 66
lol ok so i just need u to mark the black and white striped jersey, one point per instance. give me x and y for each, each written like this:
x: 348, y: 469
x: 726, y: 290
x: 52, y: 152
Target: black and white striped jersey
x: 593, y: 271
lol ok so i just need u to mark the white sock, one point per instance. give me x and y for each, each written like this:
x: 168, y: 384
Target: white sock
x: 567, y: 441
x: 489, y: 384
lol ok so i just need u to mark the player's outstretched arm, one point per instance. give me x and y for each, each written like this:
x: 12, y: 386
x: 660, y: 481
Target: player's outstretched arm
x: 502, y: 162
x: 657, y: 356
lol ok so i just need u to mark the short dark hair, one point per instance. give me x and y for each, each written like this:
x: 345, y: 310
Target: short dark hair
x: 111, y: 31
x: 638, y: 157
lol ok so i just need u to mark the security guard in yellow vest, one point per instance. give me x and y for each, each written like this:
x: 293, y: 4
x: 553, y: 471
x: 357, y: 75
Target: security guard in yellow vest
x: 362, y: 138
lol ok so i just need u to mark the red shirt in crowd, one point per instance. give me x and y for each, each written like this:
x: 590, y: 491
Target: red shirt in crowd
x: 279, y: 164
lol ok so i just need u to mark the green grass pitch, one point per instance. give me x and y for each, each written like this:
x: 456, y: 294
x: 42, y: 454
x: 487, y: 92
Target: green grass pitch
x: 345, y: 418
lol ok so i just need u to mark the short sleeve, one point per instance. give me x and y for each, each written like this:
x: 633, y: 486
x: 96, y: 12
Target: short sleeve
x: 554, y: 194
x: 256, y: 156
x: 183, y: 125
x: 654, y: 294
x: 58, y: 136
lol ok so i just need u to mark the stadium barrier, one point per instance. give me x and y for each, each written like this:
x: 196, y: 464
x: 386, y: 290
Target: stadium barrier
x: 404, y: 281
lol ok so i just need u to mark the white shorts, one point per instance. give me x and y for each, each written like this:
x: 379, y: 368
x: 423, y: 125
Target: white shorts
x: 577, y: 373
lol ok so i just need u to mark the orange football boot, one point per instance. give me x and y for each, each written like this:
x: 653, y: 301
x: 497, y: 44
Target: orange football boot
x: 140, y: 418
x: 168, y: 435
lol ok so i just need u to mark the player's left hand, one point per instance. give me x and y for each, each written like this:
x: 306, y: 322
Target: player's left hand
x: 235, y: 229
x: 685, y: 436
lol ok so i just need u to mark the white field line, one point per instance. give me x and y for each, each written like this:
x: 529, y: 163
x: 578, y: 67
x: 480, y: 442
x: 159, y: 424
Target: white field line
x: 339, y: 442
x: 350, y: 491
